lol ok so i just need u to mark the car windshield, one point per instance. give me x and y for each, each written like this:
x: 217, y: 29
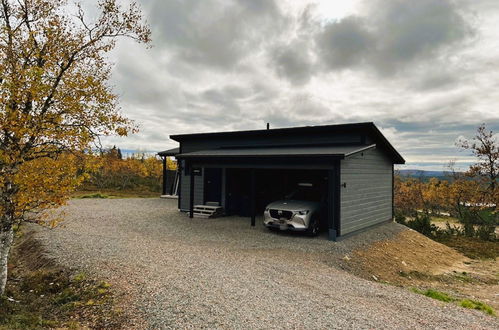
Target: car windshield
x: 305, y: 194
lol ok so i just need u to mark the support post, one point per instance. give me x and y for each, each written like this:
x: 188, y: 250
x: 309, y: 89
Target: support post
x: 331, y: 193
x: 393, y: 192
x: 334, y: 193
x: 253, y: 197
x: 164, y: 176
x: 191, y: 194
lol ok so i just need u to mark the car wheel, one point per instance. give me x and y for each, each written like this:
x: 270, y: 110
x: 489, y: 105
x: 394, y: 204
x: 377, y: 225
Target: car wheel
x: 313, y: 227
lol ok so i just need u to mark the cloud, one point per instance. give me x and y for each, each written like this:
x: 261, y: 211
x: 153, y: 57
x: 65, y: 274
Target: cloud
x: 345, y: 44
x: 393, y: 35
x: 213, y: 32
x: 424, y: 71
x: 293, y: 62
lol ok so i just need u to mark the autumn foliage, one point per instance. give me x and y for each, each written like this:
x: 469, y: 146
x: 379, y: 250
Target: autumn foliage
x: 111, y: 170
x: 472, y: 197
x: 460, y: 197
x: 55, y: 100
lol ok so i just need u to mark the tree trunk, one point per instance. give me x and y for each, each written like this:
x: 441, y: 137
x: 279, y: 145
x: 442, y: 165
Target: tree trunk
x: 6, y: 239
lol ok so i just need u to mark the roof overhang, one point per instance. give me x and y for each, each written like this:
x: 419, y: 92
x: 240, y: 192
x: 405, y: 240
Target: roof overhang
x: 169, y: 152
x: 275, y: 152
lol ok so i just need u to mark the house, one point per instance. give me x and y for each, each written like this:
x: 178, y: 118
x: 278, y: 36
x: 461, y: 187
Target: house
x: 351, y: 165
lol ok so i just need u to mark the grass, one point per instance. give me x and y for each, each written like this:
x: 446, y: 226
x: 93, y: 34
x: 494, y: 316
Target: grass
x: 466, y: 303
x: 41, y: 294
x: 96, y: 195
x: 471, y: 247
x: 478, y: 305
x: 438, y: 295
x: 113, y: 194
x: 444, y: 219
x: 460, y: 277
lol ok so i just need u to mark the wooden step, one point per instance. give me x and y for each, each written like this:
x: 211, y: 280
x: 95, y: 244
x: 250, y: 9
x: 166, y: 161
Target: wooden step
x: 199, y: 215
x: 207, y: 211
x: 207, y: 207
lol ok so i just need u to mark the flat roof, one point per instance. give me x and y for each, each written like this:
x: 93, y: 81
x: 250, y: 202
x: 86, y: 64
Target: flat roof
x: 273, y: 131
x: 369, y: 127
x: 331, y: 151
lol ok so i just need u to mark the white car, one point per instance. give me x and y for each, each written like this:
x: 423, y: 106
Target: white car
x: 299, y: 211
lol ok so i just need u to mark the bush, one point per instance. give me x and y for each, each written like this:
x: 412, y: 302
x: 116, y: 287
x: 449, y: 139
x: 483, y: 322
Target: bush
x: 478, y: 223
x: 485, y: 232
x: 399, y: 218
x: 422, y: 223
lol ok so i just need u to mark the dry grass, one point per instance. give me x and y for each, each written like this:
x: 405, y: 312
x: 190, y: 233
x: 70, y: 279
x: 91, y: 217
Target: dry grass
x: 413, y: 260
x: 40, y: 294
x: 472, y: 247
x: 106, y: 193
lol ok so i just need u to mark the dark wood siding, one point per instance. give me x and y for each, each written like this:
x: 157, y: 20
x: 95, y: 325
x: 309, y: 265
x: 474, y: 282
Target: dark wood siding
x: 184, y: 190
x: 213, y: 143
x: 367, y: 198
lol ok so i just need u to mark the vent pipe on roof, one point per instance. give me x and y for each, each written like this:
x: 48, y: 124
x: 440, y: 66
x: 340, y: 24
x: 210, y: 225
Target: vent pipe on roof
x: 268, y: 125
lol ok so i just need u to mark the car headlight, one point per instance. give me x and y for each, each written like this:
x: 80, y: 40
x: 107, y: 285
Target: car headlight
x: 303, y: 212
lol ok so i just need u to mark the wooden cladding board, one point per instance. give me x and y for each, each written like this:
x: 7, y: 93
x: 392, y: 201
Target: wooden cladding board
x: 198, y: 190
x: 367, y: 198
x: 263, y: 140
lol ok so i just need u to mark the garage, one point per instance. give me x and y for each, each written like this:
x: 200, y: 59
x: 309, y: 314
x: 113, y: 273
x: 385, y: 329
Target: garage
x: 344, y: 171
x: 270, y: 185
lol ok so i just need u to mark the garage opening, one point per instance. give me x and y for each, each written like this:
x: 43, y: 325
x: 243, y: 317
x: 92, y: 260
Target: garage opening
x: 272, y: 185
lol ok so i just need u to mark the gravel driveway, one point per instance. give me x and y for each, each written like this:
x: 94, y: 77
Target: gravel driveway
x: 221, y: 273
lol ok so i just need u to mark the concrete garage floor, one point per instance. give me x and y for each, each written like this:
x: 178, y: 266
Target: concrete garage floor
x: 176, y: 272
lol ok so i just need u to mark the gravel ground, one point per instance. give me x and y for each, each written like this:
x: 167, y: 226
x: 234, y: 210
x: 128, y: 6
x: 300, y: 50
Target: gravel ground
x: 220, y: 273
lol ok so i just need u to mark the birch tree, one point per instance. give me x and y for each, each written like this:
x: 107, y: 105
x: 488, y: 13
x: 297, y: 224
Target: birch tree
x: 485, y: 147
x: 55, y: 100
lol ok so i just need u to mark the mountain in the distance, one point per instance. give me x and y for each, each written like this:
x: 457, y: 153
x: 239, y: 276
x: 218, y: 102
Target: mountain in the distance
x: 419, y: 173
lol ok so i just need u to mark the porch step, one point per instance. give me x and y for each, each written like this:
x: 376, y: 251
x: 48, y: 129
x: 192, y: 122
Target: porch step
x: 207, y: 211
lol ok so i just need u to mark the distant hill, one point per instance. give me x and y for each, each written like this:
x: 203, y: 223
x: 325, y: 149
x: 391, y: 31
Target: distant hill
x: 421, y: 173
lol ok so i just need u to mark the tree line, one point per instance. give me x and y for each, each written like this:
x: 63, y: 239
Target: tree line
x: 111, y: 170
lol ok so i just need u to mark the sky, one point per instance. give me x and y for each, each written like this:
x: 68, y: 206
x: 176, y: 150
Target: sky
x: 425, y: 72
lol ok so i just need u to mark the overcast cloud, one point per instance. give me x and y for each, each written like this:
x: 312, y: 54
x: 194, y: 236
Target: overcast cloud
x: 426, y: 71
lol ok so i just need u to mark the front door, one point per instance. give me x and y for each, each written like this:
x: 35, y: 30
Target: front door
x: 213, y: 185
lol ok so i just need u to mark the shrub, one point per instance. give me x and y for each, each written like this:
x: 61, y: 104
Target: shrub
x: 478, y: 223
x: 485, y: 232
x: 399, y: 218
x: 422, y: 223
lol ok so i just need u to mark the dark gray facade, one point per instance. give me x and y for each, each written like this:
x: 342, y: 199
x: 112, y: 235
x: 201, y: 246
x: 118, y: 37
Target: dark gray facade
x: 366, y: 199
x: 243, y: 170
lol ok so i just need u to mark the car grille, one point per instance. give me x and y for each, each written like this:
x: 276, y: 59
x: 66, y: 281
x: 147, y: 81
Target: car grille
x: 284, y: 215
